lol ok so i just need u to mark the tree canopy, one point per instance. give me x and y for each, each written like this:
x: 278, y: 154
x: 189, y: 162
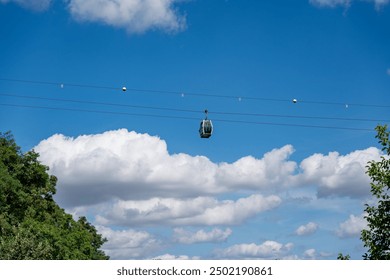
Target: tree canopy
x: 32, y: 225
x: 376, y: 237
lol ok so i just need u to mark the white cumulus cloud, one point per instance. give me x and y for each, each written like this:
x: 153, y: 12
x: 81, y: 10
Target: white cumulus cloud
x: 339, y: 175
x: 195, y: 211
x: 272, y: 170
x: 129, y: 180
x: 134, y: 15
x: 310, y: 254
x: 307, y: 229
x: 128, y: 244
x: 267, y: 250
x: 174, y: 257
x: 215, y: 235
x: 352, y: 227
x: 36, y: 5
x: 121, y: 164
x: 127, y: 166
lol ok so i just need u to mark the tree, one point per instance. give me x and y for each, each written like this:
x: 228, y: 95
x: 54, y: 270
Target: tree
x: 376, y: 237
x: 32, y: 225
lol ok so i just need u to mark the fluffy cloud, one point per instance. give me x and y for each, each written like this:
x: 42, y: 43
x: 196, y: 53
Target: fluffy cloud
x: 352, y: 227
x: 310, y: 254
x: 36, y: 5
x: 173, y: 257
x: 338, y: 175
x: 346, y: 3
x: 307, y: 229
x: 120, y: 164
x: 273, y: 169
x: 196, y: 211
x: 128, y: 166
x: 127, y: 179
x: 125, y: 244
x: 133, y: 15
x: 187, y: 237
x: 267, y: 250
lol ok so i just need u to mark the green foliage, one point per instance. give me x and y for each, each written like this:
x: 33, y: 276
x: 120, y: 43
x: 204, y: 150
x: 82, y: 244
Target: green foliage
x: 342, y: 257
x: 32, y: 225
x: 377, y: 237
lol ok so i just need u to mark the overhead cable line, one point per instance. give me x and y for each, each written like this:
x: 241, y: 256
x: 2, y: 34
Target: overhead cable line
x: 184, y: 93
x: 57, y: 84
x: 181, y: 117
x: 299, y: 117
x: 192, y: 111
x: 99, y: 103
x: 181, y: 93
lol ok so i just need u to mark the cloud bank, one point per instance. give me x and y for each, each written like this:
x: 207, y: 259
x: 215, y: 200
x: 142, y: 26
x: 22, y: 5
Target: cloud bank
x: 129, y: 183
x: 124, y: 166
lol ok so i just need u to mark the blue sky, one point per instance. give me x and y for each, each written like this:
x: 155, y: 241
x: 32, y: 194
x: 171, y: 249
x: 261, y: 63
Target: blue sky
x: 267, y: 184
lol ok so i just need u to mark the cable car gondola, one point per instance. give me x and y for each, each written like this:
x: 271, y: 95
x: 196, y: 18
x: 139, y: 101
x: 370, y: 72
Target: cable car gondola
x: 206, y: 127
